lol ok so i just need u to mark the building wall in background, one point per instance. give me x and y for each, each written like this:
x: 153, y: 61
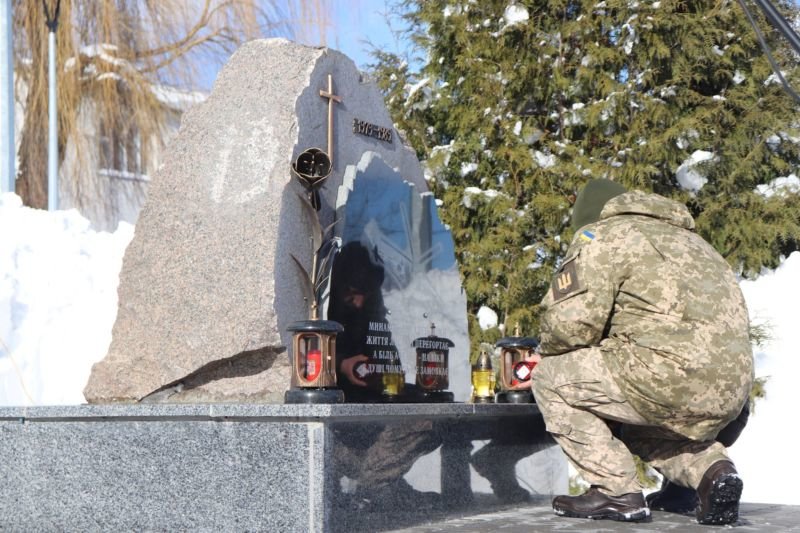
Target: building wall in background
x: 107, y: 179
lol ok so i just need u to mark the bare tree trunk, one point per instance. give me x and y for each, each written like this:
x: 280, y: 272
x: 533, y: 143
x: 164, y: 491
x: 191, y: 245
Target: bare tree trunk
x: 32, y: 174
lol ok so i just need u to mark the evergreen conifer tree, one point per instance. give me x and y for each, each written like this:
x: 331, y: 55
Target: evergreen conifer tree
x: 518, y: 103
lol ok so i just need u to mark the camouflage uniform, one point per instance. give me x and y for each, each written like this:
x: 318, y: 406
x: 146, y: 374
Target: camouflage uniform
x: 651, y: 330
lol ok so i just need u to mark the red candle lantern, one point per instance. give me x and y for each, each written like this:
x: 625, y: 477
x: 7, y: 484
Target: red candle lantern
x: 432, y: 367
x: 514, y: 368
x: 313, y: 362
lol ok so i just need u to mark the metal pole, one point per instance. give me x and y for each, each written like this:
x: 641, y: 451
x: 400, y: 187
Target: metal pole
x: 779, y: 23
x: 52, y: 143
x: 7, y: 149
x: 52, y: 111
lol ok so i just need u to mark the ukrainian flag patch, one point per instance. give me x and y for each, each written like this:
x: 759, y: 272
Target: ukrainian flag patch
x: 587, y: 236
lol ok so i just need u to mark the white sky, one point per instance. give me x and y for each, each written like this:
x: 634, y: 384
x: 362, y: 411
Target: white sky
x: 58, y: 302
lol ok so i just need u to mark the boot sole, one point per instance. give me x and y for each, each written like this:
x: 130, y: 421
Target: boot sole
x: 636, y: 515
x: 723, y: 501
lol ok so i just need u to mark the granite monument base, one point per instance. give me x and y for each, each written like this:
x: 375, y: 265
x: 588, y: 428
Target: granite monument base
x: 269, y: 467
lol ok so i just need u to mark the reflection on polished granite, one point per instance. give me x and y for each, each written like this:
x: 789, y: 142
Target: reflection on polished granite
x: 351, y: 467
x: 413, y: 470
x: 379, y: 210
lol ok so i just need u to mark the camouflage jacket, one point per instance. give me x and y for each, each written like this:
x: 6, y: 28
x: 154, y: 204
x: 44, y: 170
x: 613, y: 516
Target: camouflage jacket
x: 664, y: 307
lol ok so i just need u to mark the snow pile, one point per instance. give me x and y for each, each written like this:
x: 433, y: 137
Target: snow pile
x: 469, y: 192
x: 687, y: 173
x: 176, y: 98
x: 486, y: 318
x: 423, y: 88
x: 514, y: 15
x: 544, y: 160
x: 765, y: 451
x: 630, y: 36
x: 58, y: 301
x: 468, y: 168
x: 780, y: 186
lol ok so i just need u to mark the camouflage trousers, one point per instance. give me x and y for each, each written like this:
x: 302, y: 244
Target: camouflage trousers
x: 581, y: 403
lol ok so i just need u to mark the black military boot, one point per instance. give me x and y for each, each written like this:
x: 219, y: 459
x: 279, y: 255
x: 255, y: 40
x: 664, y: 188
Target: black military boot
x: 718, y: 494
x: 672, y: 498
x: 594, y: 504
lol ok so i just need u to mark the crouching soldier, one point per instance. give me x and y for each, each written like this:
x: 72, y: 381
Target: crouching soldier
x: 644, y: 329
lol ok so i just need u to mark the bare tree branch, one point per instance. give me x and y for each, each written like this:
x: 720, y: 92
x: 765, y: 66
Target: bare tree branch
x: 112, y: 54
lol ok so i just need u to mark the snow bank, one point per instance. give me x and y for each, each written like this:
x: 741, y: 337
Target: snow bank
x: 764, y: 454
x: 58, y: 301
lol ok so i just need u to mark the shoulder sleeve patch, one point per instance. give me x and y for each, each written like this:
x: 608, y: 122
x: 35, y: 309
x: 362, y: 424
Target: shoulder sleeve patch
x: 566, y: 281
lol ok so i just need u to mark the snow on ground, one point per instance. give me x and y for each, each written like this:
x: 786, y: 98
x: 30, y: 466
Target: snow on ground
x: 58, y: 302
x: 764, y: 454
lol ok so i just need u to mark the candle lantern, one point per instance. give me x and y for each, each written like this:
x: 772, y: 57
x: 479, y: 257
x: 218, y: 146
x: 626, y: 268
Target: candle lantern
x: 432, y: 367
x: 393, y: 383
x: 514, y: 368
x: 313, y: 362
x: 483, y: 380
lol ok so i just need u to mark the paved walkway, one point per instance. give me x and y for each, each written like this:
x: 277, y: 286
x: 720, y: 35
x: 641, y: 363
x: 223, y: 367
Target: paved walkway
x: 753, y: 517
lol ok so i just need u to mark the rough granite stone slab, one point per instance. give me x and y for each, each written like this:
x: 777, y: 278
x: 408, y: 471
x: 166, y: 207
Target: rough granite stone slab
x: 208, y: 286
x: 143, y: 476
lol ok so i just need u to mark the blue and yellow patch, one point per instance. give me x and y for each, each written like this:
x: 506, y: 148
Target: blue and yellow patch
x: 587, y: 236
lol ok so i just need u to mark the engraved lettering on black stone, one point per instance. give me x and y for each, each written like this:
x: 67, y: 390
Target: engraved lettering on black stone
x: 363, y: 127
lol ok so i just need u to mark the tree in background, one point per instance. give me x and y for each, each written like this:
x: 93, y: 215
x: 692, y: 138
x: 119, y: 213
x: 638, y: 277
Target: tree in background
x: 113, y: 55
x: 518, y: 103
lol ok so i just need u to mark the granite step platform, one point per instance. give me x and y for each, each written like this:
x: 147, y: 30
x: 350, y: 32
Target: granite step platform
x: 268, y: 467
x: 539, y: 518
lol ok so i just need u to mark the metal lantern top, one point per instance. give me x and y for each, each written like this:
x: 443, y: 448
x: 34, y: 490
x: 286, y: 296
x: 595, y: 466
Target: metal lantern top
x: 517, y: 342
x: 528, y: 343
x: 432, y: 342
x: 484, y: 362
x: 319, y: 326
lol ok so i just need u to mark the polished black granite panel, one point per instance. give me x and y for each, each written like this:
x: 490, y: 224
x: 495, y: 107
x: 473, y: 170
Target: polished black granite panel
x: 399, y: 258
x: 253, y: 467
x: 391, y: 472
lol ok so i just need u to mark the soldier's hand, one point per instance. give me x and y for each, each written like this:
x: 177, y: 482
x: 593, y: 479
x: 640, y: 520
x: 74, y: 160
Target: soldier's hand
x: 531, y: 357
x: 348, y: 369
x: 521, y: 385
